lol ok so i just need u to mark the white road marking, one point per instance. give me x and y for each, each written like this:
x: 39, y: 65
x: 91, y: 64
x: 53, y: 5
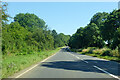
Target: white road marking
x: 99, y: 68
x: 78, y: 58
x: 107, y: 73
x: 34, y: 66
x: 81, y: 59
x: 85, y: 61
x: 26, y: 71
x: 71, y: 54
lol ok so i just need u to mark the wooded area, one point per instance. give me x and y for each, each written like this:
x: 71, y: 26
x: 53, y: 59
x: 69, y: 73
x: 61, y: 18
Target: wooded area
x: 28, y: 39
x: 102, y: 31
x: 29, y: 33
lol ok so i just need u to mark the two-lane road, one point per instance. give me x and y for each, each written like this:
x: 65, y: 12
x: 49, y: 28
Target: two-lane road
x: 72, y: 65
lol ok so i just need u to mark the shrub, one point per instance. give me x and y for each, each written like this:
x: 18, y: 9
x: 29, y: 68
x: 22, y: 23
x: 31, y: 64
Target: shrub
x: 85, y: 50
x: 90, y: 49
x: 106, y: 53
x: 98, y: 51
x: 115, y: 53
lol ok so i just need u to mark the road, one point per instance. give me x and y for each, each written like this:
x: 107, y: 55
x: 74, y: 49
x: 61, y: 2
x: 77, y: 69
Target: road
x: 65, y: 64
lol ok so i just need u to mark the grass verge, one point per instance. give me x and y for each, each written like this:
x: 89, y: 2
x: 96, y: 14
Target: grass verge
x: 14, y: 63
x: 104, y: 53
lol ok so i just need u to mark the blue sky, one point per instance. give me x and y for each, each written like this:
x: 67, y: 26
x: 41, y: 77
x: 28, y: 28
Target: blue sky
x: 64, y: 17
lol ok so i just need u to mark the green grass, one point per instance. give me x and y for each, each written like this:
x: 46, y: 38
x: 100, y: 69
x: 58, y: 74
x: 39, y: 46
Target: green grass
x: 14, y: 63
x: 103, y: 57
x: 104, y: 53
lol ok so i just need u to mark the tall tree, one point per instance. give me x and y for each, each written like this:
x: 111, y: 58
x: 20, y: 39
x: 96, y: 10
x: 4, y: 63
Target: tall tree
x: 30, y: 21
x: 110, y: 26
x: 99, y: 18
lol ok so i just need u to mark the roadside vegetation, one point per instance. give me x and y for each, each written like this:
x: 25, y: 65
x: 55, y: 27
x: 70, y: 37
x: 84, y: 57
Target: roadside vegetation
x: 104, y: 53
x: 100, y: 38
x: 14, y: 63
x: 27, y: 40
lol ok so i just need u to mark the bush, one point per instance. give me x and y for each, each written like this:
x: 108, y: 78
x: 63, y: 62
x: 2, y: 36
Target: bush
x: 101, y: 52
x: 98, y: 51
x: 115, y: 53
x: 89, y: 50
x: 80, y: 50
x: 106, y: 53
x: 85, y: 50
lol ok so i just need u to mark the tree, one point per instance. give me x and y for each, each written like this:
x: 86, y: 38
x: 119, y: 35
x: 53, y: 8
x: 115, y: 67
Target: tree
x: 99, y: 18
x: 92, y: 35
x: 30, y: 21
x: 77, y: 40
x: 88, y: 36
x: 60, y: 39
x: 54, y: 33
x: 4, y: 12
x: 110, y: 26
x: 13, y: 38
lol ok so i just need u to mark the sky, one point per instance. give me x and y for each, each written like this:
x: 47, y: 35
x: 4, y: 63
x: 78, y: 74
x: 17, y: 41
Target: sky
x: 64, y: 17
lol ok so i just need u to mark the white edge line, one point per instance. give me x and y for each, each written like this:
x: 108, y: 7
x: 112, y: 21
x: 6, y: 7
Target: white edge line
x: 107, y: 72
x: 35, y: 66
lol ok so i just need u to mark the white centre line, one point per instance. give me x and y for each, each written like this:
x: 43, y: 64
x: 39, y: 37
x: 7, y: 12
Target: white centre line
x: 107, y: 72
x: 85, y: 61
x: 78, y: 58
x: 98, y: 68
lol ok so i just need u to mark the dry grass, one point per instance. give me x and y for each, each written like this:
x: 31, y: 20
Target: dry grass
x: 105, y: 53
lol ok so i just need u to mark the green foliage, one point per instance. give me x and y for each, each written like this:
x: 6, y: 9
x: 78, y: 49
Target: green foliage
x: 13, y: 38
x: 98, y: 51
x: 99, y: 18
x: 4, y: 12
x: 87, y: 37
x: 27, y: 41
x: 27, y: 34
x: 60, y: 39
x: 104, y: 53
x: 103, y: 28
x: 30, y: 21
x: 14, y: 63
x: 4, y: 17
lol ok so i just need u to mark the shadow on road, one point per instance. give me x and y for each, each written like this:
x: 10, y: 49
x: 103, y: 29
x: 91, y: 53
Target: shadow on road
x: 82, y: 66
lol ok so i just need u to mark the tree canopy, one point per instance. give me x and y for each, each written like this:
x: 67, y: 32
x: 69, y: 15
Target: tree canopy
x: 30, y: 21
x: 103, y: 30
x: 29, y: 33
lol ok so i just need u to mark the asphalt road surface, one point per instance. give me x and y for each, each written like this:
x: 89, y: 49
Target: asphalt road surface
x: 66, y: 64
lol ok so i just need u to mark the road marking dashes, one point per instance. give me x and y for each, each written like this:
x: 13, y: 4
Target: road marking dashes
x: 85, y: 61
x: 107, y: 72
x: 99, y: 68
x: 78, y: 58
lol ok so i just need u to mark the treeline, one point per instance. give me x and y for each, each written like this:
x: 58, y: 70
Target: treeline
x: 102, y: 31
x: 28, y: 33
